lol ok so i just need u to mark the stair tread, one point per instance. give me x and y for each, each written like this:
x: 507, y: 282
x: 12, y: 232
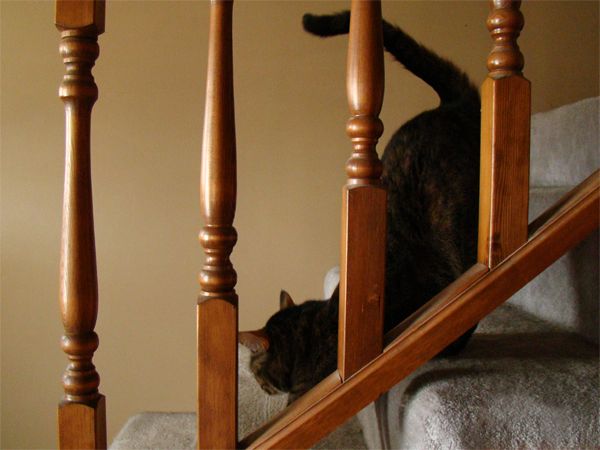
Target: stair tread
x: 521, y: 382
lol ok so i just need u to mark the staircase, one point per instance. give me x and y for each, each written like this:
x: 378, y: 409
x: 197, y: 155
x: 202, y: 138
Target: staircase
x: 528, y: 356
x: 528, y: 378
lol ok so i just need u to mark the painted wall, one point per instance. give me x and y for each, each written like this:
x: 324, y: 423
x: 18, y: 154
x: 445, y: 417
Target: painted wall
x: 291, y: 114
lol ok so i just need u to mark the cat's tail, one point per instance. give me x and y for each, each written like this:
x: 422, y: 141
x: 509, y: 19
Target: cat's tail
x: 449, y: 82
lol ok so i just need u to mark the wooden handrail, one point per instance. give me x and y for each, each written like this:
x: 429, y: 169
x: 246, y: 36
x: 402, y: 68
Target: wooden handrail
x: 441, y: 321
x: 81, y: 414
x: 505, y: 128
x: 217, y: 313
x: 364, y: 198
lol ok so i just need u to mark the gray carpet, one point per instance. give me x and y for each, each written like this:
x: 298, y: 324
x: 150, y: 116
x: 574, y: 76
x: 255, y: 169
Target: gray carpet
x: 521, y: 383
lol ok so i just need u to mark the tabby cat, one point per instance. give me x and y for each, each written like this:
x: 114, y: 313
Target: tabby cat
x: 431, y: 171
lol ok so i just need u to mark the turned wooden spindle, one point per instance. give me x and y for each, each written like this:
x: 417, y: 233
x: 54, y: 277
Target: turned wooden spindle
x: 81, y: 414
x: 364, y: 199
x: 505, y: 129
x: 217, y: 304
x: 505, y: 23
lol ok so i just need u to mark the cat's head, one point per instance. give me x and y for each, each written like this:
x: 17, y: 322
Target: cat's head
x: 270, y: 363
x: 291, y: 353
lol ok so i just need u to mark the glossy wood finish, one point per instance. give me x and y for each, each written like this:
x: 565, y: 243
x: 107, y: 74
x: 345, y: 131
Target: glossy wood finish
x: 217, y: 304
x: 83, y: 15
x: 81, y: 413
x: 443, y: 319
x: 82, y: 426
x: 505, y: 128
x: 364, y: 199
x: 217, y: 374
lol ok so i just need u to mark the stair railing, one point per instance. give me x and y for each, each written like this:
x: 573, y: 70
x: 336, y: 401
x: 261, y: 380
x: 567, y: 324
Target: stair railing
x: 369, y: 364
x: 507, y: 259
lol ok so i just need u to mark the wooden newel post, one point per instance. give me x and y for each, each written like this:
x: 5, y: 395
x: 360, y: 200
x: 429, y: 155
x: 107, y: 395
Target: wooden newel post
x: 505, y: 129
x: 364, y: 198
x: 81, y: 414
x: 217, y: 304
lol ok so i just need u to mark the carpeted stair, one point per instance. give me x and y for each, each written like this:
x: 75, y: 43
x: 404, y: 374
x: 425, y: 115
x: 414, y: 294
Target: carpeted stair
x: 529, y: 376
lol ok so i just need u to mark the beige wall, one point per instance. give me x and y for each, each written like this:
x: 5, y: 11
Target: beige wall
x: 291, y: 111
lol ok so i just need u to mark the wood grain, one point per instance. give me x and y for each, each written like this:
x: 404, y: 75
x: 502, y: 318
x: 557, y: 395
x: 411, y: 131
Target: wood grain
x: 82, y: 15
x: 82, y: 426
x: 505, y: 129
x: 217, y: 374
x: 364, y: 199
x: 444, y: 319
x: 361, y: 316
x: 81, y: 414
x: 217, y: 313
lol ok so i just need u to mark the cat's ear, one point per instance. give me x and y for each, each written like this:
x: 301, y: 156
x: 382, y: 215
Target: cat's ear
x: 285, y: 300
x: 256, y: 340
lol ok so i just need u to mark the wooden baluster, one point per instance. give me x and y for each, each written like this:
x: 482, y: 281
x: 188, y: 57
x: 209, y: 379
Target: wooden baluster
x: 217, y: 303
x: 81, y: 414
x: 505, y: 128
x: 364, y: 198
